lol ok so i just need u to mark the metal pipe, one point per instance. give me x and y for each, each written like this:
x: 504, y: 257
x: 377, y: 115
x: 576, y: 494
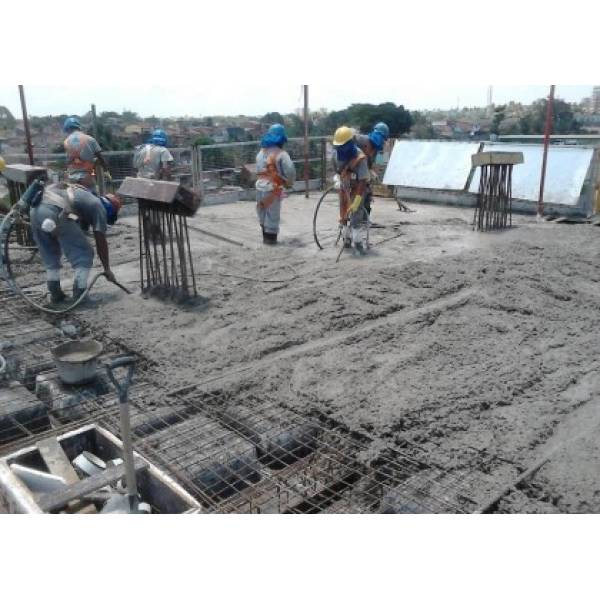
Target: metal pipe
x: 26, y: 125
x: 547, y: 132
x: 306, y: 174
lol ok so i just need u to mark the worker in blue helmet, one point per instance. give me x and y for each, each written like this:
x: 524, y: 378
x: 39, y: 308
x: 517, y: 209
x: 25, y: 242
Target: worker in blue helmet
x: 153, y: 159
x: 372, y: 144
x: 83, y: 151
x: 59, y: 218
x: 275, y: 172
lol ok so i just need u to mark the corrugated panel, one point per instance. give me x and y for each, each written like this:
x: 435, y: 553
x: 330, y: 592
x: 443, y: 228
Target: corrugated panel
x: 430, y: 164
x: 565, y: 172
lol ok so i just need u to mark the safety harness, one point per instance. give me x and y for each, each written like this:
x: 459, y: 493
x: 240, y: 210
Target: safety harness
x: 348, y: 185
x: 272, y: 174
x: 74, y: 154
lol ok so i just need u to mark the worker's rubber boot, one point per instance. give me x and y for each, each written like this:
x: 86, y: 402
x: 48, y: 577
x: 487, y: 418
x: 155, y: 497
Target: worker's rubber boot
x: 77, y: 291
x: 270, y: 238
x: 359, y: 249
x: 56, y: 293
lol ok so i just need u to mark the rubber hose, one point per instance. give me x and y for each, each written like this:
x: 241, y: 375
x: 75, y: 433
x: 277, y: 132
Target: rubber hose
x: 51, y: 311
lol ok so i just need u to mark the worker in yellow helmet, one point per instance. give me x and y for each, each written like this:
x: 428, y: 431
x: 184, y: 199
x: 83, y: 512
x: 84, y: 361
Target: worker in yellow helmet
x: 350, y: 163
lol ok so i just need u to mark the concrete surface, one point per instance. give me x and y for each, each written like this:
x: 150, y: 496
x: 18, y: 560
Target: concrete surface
x: 458, y: 341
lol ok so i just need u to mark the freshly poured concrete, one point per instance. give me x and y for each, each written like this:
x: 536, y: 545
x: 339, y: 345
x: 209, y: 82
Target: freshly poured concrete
x: 476, y: 346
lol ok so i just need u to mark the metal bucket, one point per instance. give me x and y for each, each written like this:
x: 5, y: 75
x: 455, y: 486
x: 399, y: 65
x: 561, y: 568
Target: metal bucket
x: 77, y: 361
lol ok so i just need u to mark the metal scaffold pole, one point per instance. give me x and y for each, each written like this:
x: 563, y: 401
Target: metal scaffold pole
x: 26, y: 125
x: 547, y: 132
x: 306, y: 173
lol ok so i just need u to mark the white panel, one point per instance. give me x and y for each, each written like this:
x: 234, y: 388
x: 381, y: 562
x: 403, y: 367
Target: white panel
x: 430, y: 164
x: 565, y: 172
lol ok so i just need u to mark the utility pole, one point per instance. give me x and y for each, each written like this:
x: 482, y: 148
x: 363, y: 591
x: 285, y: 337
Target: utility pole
x: 306, y: 170
x: 99, y: 169
x: 26, y: 125
x: 547, y: 132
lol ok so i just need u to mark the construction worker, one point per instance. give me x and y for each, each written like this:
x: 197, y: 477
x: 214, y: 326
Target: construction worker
x: 153, y: 160
x: 60, y: 213
x: 371, y: 145
x: 350, y: 163
x: 275, y: 171
x: 82, y: 153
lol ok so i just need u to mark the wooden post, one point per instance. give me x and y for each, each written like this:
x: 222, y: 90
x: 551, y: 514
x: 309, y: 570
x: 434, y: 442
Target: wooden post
x: 26, y: 125
x: 547, y: 132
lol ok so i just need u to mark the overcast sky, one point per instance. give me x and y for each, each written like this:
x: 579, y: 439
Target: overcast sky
x: 229, y: 99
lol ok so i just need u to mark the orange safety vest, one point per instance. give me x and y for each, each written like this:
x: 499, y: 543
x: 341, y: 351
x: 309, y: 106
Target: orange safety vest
x: 347, y: 187
x: 272, y: 174
x: 74, y: 155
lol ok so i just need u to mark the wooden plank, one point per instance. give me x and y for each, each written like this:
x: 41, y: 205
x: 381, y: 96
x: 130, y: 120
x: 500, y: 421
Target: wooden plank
x: 56, y: 460
x: 58, y: 499
x: 496, y: 158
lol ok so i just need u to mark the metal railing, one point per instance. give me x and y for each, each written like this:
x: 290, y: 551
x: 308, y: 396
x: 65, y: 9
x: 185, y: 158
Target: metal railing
x: 208, y: 169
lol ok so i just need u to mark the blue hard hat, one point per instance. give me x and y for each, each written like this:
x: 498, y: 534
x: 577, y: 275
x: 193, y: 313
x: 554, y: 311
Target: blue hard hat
x: 279, y: 130
x: 377, y: 139
x: 159, y: 137
x: 71, y: 123
x: 382, y: 128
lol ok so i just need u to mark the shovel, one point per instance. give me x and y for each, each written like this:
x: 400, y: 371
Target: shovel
x: 122, y: 389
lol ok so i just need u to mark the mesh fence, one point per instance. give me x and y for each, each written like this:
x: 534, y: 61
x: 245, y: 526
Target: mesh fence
x: 220, y: 166
x: 232, y: 165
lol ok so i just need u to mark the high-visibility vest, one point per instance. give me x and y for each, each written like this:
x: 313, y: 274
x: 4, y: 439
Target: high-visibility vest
x: 74, y: 154
x: 272, y: 174
x: 348, y: 186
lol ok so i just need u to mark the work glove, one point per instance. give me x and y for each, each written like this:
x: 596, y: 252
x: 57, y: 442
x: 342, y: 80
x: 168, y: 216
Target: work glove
x: 355, y: 204
x: 337, y: 182
x: 374, y: 176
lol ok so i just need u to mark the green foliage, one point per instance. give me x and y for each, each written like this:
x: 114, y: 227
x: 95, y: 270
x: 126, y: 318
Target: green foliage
x: 364, y: 116
x: 272, y: 117
x: 563, y: 118
x: 6, y: 118
x: 499, y: 116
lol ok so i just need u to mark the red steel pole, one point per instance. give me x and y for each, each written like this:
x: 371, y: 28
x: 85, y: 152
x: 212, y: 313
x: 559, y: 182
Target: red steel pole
x: 26, y: 125
x: 547, y: 132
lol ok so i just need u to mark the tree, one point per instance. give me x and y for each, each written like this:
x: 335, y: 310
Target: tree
x: 365, y: 116
x: 563, y: 118
x: 499, y: 116
x: 422, y: 128
x: 130, y: 117
x: 7, y: 120
x: 294, y: 125
x: 271, y: 117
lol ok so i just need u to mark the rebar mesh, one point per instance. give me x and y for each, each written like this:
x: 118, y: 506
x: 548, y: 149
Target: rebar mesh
x: 234, y: 453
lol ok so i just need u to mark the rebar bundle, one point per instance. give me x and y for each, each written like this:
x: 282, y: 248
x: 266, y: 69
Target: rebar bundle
x: 494, y: 199
x: 166, y: 266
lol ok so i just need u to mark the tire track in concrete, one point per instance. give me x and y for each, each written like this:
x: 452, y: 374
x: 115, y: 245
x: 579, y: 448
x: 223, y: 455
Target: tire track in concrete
x: 397, y: 318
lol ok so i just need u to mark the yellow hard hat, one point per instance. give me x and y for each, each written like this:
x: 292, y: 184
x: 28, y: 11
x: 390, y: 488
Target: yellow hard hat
x: 2, y: 164
x: 342, y: 135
